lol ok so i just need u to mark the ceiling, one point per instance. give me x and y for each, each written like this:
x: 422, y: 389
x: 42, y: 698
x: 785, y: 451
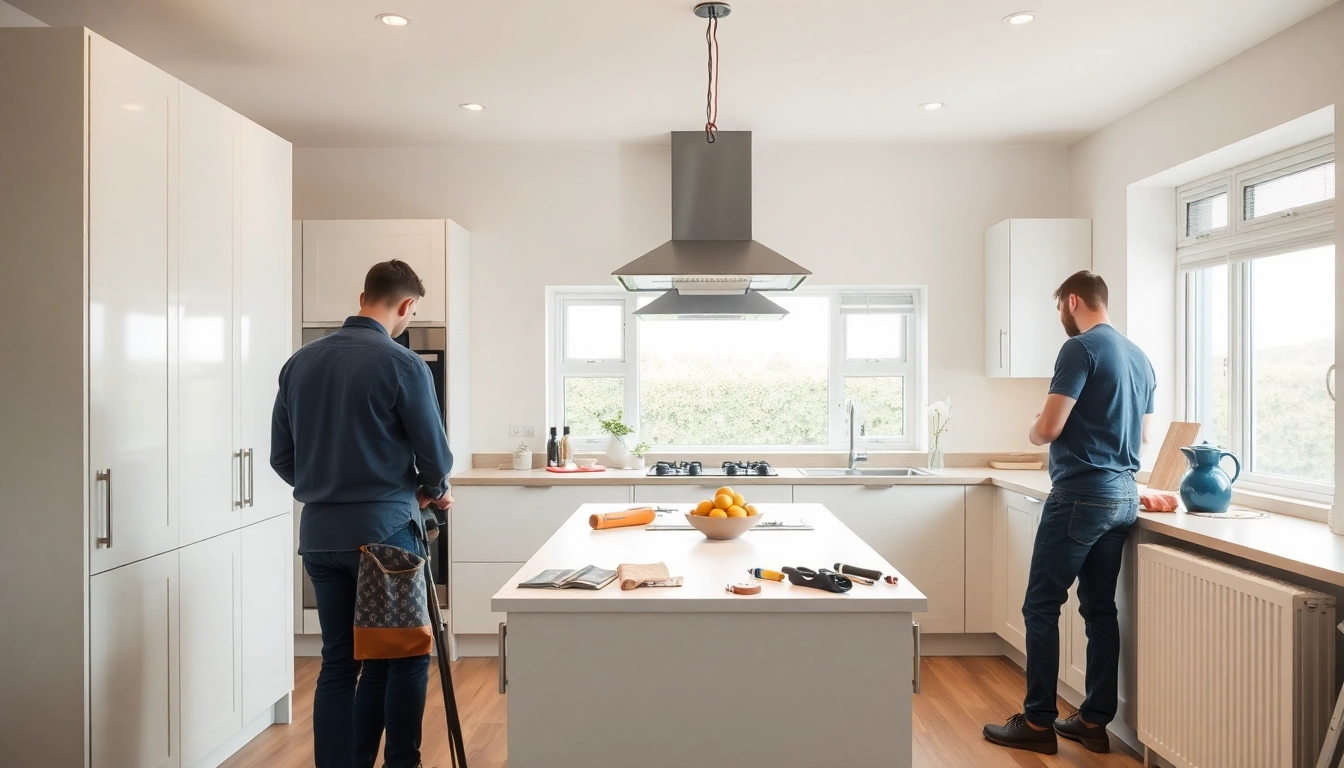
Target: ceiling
x: 324, y: 73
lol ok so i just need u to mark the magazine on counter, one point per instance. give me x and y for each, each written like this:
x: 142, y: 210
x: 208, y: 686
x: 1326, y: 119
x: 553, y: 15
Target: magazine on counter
x: 587, y: 577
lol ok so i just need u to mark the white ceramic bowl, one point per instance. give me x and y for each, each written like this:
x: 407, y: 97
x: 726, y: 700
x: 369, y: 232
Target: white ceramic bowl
x: 585, y: 463
x: 722, y: 528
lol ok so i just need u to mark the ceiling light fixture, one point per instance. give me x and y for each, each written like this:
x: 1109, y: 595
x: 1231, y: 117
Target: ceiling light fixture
x: 1019, y: 18
x: 472, y: 107
x: 393, y: 19
x: 930, y: 106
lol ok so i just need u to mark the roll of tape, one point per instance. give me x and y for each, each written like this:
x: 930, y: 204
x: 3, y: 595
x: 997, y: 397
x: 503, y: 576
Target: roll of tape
x: 744, y: 589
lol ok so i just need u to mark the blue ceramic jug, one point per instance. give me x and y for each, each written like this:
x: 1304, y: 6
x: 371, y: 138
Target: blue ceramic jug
x: 1206, y: 487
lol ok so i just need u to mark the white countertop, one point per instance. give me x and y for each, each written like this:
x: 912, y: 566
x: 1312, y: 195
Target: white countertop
x: 707, y: 567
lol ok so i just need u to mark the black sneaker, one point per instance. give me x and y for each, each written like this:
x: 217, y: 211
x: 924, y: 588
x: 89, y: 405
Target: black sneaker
x: 1093, y: 737
x: 1017, y: 734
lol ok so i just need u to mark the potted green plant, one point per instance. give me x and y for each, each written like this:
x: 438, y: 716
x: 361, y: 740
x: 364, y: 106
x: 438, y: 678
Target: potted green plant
x: 638, y: 452
x: 618, y: 453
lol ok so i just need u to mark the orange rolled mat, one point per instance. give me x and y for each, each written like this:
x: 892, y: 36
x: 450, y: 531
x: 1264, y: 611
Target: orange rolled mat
x: 636, y: 516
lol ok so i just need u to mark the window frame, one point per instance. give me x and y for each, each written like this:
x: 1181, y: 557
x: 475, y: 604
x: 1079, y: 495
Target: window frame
x: 1244, y: 242
x: 911, y: 368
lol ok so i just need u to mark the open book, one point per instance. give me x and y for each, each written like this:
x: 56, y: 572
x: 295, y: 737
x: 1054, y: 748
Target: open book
x: 587, y: 577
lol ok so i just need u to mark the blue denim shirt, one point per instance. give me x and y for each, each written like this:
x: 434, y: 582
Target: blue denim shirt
x: 356, y: 430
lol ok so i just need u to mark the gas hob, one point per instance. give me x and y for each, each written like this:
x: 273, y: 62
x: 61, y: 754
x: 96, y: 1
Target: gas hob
x: 728, y: 469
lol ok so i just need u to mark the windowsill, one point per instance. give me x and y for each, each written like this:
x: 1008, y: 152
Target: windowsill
x: 1316, y: 511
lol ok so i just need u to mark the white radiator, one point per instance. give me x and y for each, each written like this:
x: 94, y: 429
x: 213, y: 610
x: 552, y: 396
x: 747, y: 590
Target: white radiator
x: 1235, y: 669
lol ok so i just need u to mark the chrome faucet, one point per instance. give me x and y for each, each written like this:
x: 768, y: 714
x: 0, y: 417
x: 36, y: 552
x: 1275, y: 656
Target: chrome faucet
x: 854, y: 456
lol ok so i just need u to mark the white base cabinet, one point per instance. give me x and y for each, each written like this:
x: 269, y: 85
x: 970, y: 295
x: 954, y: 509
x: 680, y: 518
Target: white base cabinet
x: 690, y: 494
x: 210, y: 644
x: 919, y: 528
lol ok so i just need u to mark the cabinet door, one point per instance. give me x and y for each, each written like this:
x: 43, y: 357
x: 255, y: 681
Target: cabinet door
x: 337, y: 255
x: 265, y: 315
x: 1022, y: 518
x: 1044, y: 253
x: 473, y: 584
x: 206, y: 424
x: 210, y: 636
x: 268, y: 614
x: 132, y: 243
x: 133, y: 686
x: 921, y: 530
x: 690, y: 494
x: 508, y: 524
x: 997, y: 291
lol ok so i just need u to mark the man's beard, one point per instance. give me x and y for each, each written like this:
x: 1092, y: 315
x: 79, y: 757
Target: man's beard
x: 1070, y: 325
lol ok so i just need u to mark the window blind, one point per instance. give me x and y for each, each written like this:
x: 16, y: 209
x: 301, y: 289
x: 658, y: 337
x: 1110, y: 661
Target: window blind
x: 1206, y: 214
x: 875, y: 303
x: 1282, y: 193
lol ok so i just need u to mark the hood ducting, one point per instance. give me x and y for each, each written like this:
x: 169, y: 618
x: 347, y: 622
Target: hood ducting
x: 711, y: 252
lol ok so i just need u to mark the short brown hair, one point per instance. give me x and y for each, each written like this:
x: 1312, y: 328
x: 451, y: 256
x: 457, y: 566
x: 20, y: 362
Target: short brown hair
x: 1088, y: 287
x: 389, y: 282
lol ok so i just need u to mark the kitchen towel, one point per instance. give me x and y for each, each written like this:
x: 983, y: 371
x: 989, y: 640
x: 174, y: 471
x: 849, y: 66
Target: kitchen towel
x: 391, y: 611
x: 632, y: 576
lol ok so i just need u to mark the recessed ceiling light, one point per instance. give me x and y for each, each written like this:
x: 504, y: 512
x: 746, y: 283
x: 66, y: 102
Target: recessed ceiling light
x: 472, y: 107
x: 930, y: 106
x: 1020, y: 18
x: 393, y: 19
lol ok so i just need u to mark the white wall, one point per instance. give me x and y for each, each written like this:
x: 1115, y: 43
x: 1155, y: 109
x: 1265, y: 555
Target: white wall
x: 13, y: 17
x: 1296, y: 72
x: 544, y: 216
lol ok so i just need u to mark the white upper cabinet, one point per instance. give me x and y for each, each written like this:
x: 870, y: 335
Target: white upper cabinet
x: 210, y: 464
x: 265, y: 318
x: 132, y: 204
x: 337, y: 255
x: 1025, y: 261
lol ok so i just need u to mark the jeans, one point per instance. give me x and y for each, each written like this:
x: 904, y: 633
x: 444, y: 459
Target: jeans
x: 355, y: 701
x: 1081, y: 536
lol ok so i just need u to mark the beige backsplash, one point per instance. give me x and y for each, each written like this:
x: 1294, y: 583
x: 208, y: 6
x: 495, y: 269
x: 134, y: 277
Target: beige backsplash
x: 827, y: 459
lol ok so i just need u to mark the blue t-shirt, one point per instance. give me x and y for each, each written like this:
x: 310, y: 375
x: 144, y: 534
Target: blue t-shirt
x: 1113, y: 382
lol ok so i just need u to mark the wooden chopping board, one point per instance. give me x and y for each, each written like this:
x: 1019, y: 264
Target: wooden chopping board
x: 1171, y: 464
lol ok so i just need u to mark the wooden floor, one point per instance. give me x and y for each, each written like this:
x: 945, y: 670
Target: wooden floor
x: 960, y: 695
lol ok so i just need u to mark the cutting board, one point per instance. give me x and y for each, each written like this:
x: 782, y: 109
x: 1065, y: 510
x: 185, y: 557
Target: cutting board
x: 1171, y: 464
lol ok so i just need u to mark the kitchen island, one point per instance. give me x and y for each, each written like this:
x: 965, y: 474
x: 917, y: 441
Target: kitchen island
x: 695, y: 675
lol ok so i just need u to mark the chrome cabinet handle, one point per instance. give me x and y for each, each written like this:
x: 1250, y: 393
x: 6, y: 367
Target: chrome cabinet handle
x: 240, y: 486
x: 503, y: 657
x: 914, y: 627
x: 105, y: 476
x: 251, y: 499
x: 1330, y: 381
x: 1001, y: 335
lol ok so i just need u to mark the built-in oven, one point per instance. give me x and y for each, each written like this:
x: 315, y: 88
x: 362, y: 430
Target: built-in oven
x: 431, y: 344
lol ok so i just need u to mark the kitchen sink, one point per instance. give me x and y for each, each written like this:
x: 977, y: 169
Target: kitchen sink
x: 898, y: 472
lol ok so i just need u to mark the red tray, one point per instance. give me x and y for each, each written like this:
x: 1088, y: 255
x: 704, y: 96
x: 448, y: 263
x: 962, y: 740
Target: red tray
x: 566, y: 470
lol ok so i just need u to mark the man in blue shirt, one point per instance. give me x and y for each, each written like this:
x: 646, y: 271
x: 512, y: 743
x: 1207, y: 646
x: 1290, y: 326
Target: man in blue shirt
x: 357, y: 431
x: 1095, y: 421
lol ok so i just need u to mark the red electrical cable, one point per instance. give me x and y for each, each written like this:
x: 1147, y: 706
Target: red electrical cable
x: 712, y: 90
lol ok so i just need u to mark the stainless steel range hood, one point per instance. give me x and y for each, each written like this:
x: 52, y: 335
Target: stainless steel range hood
x: 675, y: 305
x: 711, y: 252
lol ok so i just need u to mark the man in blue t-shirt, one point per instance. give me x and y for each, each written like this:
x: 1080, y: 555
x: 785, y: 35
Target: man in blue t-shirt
x: 1095, y: 421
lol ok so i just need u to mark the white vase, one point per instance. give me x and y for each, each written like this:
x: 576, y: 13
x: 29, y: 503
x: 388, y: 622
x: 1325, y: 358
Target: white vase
x: 617, y: 454
x: 636, y: 462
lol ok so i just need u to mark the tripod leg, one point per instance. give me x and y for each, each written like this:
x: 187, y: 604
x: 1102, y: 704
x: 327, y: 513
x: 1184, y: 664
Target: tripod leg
x: 445, y: 673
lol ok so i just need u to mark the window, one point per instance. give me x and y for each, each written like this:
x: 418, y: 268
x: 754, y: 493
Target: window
x: 700, y: 384
x: 1260, y: 320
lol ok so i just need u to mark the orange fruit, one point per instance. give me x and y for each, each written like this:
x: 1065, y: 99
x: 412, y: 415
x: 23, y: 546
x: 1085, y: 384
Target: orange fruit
x: 738, y: 500
x: 717, y: 513
x: 724, y: 490
x: 703, y: 508
x: 736, y: 511
x: 723, y: 501
x: 752, y: 511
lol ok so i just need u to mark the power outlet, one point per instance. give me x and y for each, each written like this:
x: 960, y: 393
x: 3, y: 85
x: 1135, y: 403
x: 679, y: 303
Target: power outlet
x: 522, y: 431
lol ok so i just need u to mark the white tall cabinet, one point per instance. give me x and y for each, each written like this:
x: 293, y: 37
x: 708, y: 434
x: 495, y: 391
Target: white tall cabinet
x: 148, y: 550
x: 1025, y: 261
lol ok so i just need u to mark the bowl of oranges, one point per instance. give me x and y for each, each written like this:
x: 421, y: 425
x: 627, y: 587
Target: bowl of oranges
x: 724, y: 517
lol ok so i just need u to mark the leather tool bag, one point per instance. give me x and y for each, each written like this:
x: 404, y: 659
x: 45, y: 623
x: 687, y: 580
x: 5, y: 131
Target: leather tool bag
x: 391, y: 612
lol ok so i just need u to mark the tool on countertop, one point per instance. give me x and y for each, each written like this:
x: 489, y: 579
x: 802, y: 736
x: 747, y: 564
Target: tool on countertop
x: 854, y: 570
x: 766, y: 574
x: 743, y: 589
x: 890, y: 579
x: 636, y: 516
x: 825, y: 579
x: 860, y: 580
